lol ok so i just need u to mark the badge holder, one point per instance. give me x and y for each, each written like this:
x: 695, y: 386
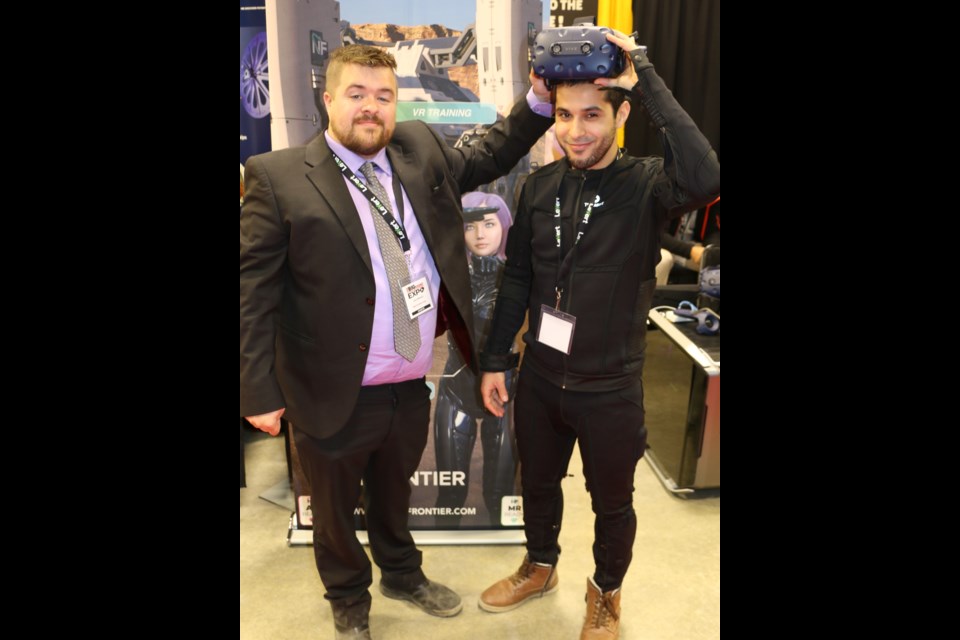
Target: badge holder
x: 416, y: 294
x: 556, y: 327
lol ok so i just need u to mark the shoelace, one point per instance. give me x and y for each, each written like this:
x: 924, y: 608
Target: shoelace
x: 604, y: 609
x: 522, y: 573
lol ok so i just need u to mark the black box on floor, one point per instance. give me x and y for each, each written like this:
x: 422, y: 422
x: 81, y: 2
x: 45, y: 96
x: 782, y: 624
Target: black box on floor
x: 681, y: 381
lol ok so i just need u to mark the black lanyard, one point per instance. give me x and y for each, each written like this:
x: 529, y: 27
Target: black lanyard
x: 381, y: 207
x: 563, y: 263
x: 581, y: 228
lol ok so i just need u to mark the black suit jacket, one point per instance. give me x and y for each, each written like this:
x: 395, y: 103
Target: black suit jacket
x: 306, y: 283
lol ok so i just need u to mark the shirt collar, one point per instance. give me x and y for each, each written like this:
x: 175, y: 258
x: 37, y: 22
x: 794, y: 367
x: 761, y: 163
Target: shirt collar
x: 353, y: 161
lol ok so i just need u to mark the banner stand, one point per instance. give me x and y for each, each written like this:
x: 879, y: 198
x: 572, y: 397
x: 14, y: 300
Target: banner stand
x: 280, y: 494
x: 297, y: 536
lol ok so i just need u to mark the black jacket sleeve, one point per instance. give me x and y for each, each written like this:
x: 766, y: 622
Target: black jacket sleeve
x: 676, y: 246
x: 500, y: 150
x: 691, y: 171
x: 263, y: 252
x: 514, y: 294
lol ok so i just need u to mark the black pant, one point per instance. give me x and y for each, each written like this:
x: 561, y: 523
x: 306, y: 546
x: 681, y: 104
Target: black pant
x: 381, y: 444
x: 609, y: 428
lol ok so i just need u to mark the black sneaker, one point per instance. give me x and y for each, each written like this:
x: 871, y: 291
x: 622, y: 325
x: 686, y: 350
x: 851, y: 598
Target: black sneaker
x: 432, y: 597
x: 351, y: 617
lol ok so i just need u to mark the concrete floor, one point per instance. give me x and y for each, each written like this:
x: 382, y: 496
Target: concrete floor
x: 672, y: 591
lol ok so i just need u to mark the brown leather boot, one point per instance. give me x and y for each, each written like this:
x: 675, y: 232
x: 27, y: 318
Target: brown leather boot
x: 603, y: 614
x: 531, y: 580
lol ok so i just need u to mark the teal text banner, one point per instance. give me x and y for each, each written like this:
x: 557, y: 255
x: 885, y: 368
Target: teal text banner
x: 447, y: 112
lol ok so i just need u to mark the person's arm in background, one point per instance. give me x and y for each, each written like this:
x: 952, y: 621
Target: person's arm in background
x: 690, y: 250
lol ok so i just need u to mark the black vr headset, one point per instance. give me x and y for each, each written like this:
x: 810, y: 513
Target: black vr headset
x: 580, y: 52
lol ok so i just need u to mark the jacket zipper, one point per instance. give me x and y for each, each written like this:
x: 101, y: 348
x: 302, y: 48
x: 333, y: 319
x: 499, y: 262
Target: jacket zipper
x: 573, y: 264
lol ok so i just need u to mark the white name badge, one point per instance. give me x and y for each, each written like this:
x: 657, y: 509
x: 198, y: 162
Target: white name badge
x: 556, y: 329
x: 416, y: 294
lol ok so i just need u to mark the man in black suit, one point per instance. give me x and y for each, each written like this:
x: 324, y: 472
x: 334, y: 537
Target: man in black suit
x: 351, y: 262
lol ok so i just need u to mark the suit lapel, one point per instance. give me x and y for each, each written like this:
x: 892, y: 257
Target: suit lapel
x: 328, y: 180
x: 439, y: 223
x: 413, y: 178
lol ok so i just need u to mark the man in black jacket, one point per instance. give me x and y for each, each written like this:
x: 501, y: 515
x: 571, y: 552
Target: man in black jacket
x: 581, y: 259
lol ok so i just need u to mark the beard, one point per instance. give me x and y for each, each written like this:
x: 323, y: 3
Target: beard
x: 599, y: 151
x: 364, y: 142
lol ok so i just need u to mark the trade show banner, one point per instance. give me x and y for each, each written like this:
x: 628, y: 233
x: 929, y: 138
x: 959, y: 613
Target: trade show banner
x: 564, y: 13
x: 460, y: 69
x: 306, y: 34
x: 254, y: 83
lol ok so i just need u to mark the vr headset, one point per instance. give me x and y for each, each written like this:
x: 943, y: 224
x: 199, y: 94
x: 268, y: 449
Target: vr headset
x: 580, y: 52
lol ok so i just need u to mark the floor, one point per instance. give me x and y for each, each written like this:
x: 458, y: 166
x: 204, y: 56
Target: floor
x: 672, y: 591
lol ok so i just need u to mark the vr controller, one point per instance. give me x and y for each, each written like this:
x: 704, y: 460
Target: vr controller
x: 576, y: 53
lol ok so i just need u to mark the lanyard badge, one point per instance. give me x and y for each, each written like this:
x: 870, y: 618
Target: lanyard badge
x: 556, y: 327
x: 415, y: 291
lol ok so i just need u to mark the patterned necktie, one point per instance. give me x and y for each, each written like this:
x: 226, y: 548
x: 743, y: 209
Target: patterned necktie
x: 406, y: 332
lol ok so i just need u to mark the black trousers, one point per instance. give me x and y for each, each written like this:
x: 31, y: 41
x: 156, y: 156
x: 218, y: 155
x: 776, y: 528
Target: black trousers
x: 380, y: 445
x: 609, y: 428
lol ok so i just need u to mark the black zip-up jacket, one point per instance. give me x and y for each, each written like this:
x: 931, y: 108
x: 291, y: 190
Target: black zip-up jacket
x: 610, y: 284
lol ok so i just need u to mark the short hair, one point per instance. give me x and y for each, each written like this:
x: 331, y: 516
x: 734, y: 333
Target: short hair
x: 359, y: 54
x: 614, y: 95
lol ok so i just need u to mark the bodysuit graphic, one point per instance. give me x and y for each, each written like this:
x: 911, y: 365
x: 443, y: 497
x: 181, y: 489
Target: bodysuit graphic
x: 459, y: 406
